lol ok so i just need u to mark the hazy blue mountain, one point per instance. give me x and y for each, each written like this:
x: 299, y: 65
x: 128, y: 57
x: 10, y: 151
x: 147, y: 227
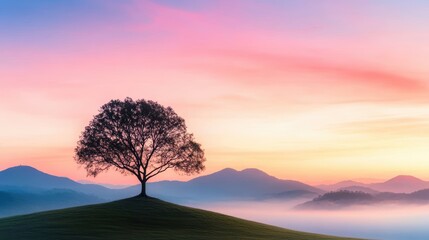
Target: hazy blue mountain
x: 401, y: 184
x: 30, y: 180
x: 14, y: 203
x: 26, y: 176
x: 24, y: 189
x: 229, y: 184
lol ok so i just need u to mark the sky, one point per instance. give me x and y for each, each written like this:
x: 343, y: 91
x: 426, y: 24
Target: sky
x: 316, y: 91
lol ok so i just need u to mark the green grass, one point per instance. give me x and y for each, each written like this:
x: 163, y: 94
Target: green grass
x: 137, y: 218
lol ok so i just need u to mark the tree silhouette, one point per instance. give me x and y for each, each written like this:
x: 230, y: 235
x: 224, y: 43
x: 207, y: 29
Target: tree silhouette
x: 141, y: 138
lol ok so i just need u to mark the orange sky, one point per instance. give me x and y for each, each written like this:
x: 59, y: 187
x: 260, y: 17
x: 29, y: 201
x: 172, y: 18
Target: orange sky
x: 307, y: 90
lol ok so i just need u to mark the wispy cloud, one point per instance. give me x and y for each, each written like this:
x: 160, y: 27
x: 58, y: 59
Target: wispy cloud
x: 334, y: 77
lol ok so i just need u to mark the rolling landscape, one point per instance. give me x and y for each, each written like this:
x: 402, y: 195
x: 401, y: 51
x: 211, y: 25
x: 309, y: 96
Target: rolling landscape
x: 26, y: 190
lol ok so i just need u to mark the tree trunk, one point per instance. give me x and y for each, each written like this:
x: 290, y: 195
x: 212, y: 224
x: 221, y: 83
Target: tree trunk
x: 143, y: 191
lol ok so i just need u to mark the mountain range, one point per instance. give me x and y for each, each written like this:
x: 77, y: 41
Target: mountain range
x: 24, y: 189
x: 30, y: 180
x: 229, y: 184
x: 398, y: 184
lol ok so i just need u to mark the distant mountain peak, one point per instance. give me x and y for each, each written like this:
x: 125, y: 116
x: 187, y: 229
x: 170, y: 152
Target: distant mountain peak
x: 401, y: 184
x: 254, y: 172
x: 21, y: 167
x: 244, y: 171
x: 405, y: 178
x: 228, y: 170
x: 31, y: 177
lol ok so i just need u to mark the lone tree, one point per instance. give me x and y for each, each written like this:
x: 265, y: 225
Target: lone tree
x: 142, y: 138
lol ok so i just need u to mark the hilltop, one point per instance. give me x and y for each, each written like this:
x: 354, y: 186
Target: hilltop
x: 137, y: 218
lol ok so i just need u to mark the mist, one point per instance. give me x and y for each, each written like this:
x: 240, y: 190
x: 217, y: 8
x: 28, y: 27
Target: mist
x: 392, y: 222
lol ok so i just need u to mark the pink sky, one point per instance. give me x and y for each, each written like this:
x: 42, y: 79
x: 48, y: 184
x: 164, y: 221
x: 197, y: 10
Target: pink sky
x: 308, y: 90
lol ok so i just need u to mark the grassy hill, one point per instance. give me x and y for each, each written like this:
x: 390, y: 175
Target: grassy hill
x: 136, y: 218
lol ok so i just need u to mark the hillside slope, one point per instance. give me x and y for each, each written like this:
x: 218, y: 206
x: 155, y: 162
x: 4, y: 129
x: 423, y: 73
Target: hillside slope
x: 136, y: 218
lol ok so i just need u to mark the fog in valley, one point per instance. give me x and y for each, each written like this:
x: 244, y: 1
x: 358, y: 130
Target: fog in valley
x: 387, y: 221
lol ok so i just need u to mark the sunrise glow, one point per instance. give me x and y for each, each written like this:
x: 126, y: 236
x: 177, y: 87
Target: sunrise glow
x: 317, y: 92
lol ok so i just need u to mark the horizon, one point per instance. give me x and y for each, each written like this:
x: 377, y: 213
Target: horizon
x: 286, y: 87
x: 367, y: 181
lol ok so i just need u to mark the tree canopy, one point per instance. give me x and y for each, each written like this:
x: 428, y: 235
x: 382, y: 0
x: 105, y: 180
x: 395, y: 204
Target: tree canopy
x: 142, y: 138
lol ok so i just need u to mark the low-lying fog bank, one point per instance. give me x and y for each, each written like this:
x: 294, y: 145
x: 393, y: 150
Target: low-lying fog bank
x: 390, y: 222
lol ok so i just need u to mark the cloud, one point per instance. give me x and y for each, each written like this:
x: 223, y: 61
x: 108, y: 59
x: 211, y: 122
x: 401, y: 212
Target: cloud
x: 315, y: 74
